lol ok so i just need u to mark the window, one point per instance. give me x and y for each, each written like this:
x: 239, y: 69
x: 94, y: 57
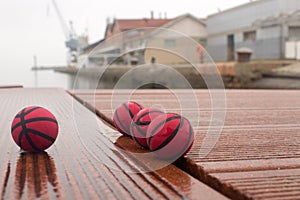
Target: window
x: 203, y: 42
x: 294, y: 32
x: 250, y: 36
x: 170, y: 43
x: 132, y: 33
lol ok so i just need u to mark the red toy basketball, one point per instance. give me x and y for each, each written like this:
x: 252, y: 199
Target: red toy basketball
x: 124, y: 114
x: 34, y: 129
x: 170, y: 136
x: 140, y: 123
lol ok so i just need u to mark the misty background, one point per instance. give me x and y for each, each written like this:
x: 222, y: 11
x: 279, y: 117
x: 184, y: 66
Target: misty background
x: 31, y: 27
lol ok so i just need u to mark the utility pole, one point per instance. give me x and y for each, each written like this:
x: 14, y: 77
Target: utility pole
x: 35, y: 71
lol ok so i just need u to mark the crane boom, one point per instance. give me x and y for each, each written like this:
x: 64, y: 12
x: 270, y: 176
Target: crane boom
x: 62, y: 22
x: 70, y: 35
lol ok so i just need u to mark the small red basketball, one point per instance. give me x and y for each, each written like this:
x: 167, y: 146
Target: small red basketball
x: 170, y: 136
x: 34, y: 129
x: 124, y: 114
x: 140, y: 123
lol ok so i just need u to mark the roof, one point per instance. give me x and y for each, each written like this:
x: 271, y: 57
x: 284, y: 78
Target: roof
x: 237, y: 7
x: 93, y: 45
x: 202, y: 21
x: 127, y: 24
x: 90, y: 47
x: 108, y: 30
x: 286, y: 18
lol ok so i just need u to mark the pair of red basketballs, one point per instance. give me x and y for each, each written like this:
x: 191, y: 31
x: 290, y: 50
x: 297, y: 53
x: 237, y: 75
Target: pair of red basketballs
x: 168, y: 135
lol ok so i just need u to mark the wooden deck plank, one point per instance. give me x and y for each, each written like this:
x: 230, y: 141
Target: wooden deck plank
x: 10, y: 86
x: 84, y: 162
x: 260, y: 138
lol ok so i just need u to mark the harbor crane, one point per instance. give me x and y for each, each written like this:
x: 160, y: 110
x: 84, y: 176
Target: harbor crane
x: 72, y: 41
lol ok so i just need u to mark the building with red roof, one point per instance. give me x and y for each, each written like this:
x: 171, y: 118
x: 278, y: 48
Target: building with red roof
x: 139, y: 41
x: 121, y: 25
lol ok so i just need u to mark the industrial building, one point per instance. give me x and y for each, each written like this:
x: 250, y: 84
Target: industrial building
x: 270, y: 28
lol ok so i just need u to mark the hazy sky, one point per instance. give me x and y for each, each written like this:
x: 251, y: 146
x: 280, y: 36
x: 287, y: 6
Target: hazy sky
x: 31, y: 27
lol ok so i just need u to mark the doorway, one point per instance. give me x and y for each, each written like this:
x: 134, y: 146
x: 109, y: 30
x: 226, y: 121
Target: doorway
x: 230, y: 47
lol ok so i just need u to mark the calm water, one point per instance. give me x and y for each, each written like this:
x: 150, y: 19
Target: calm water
x: 29, y: 78
x: 49, y: 78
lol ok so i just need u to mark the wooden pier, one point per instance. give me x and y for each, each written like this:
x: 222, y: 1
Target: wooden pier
x: 256, y: 156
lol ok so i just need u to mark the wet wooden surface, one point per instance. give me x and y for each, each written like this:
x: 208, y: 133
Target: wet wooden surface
x: 257, y: 154
x: 85, y: 162
x: 10, y: 86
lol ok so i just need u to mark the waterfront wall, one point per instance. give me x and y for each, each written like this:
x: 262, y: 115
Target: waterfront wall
x: 231, y: 74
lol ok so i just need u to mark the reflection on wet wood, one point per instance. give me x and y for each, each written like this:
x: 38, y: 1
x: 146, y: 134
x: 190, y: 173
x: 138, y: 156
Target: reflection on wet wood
x: 36, y: 172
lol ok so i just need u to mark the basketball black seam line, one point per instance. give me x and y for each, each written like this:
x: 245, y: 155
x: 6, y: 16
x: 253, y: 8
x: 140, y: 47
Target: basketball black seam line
x: 20, y: 137
x: 185, y: 147
x: 34, y: 120
x: 160, y: 124
x: 140, y: 106
x: 32, y: 109
x: 149, y: 112
x: 143, y: 123
x: 25, y: 132
x: 144, y: 114
x: 172, y: 135
x: 135, y: 138
x: 40, y: 134
x: 21, y: 116
x: 120, y: 123
x: 29, y: 111
x: 164, y: 121
x: 31, y: 143
x: 128, y: 110
x: 139, y: 130
x: 23, y: 128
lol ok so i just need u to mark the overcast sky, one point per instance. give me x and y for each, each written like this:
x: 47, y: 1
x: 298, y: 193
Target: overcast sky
x: 31, y: 27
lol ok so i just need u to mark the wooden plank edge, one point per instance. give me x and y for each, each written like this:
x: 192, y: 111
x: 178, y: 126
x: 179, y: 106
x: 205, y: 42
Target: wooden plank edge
x: 198, y: 172
x: 102, y: 116
x: 10, y: 86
